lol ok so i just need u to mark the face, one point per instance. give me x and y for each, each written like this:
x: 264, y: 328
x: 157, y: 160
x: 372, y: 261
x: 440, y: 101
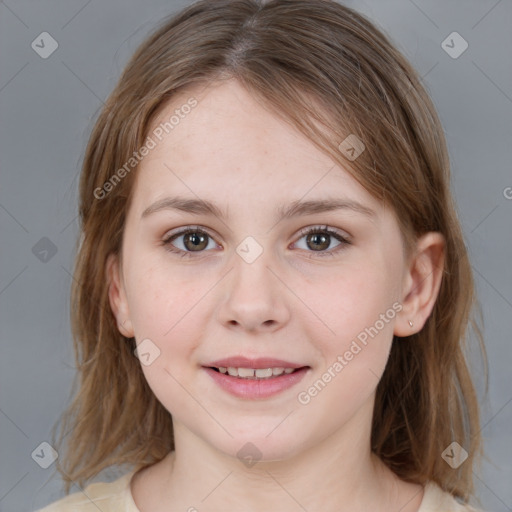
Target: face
x: 317, y: 290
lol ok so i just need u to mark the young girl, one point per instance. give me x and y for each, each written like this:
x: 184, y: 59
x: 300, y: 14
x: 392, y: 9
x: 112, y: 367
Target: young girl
x: 272, y: 291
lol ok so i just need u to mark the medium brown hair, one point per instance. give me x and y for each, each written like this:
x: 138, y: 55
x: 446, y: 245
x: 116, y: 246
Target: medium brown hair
x: 331, y: 73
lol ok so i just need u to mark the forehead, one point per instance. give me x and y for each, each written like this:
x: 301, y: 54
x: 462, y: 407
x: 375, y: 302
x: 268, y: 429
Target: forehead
x: 219, y: 140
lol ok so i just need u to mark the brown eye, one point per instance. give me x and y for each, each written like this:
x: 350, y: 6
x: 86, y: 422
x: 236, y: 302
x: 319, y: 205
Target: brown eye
x: 319, y: 239
x: 195, y: 241
x: 188, y: 241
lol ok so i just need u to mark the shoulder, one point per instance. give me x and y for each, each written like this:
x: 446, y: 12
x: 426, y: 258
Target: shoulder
x: 437, y: 500
x: 105, y: 496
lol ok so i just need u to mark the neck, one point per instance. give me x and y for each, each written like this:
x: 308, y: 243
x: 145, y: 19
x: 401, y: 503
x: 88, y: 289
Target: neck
x: 340, y: 473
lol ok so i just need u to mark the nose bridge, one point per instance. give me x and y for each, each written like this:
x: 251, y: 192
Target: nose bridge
x: 251, y: 274
x: 254, y: 296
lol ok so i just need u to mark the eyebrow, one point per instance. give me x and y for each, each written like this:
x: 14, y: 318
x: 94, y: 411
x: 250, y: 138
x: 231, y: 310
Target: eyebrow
x: 295, y: 208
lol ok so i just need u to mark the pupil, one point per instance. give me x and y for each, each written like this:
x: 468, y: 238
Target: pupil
x: 196, y: 240
x: 319, y: 238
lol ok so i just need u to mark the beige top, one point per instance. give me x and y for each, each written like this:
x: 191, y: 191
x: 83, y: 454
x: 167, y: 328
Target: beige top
x: 116, y: 496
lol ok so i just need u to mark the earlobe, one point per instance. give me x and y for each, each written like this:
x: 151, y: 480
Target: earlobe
x: 422, y: 284
x: 117, y: 296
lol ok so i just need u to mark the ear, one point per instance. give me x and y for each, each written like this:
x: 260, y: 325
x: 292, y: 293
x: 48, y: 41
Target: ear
x: 421, y: 284
x: 117, y: 296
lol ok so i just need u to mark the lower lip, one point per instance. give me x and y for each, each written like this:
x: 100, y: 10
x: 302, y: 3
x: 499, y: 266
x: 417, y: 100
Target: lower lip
x: 253, y: 389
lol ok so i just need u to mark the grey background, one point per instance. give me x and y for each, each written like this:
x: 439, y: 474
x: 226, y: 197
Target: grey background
x: 47, y: 111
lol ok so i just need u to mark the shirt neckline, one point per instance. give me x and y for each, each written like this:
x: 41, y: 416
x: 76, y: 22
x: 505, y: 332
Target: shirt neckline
x: 432, y: 494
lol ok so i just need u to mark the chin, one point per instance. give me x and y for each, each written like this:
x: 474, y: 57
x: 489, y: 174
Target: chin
x: 258, y: 446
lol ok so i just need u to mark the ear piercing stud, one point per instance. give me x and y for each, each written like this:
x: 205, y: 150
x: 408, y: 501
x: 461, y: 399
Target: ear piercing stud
x: 410, y: 323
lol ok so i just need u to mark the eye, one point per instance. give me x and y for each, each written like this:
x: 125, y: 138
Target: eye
x: 320, y: 238
x: 195, y: 239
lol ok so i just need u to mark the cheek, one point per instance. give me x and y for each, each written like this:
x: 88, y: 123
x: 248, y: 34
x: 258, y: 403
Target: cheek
x: 159, y: 299
x: 164, y: 310
x: 351, y: 300
x: 153, y: 305
x: 167, y: 306
x: 358, y: 307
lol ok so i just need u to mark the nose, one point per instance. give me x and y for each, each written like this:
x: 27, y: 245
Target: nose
x: 254, y: 296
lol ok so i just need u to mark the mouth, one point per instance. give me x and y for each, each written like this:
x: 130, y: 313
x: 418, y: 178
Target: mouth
x: 255, y: 373
x: 255, y: 379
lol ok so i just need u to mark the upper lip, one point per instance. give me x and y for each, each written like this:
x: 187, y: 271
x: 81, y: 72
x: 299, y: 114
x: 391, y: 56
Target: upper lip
x: 260, y: 362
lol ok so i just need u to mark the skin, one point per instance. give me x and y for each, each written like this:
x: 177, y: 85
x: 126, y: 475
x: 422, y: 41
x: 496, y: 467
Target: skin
x: 290, y: 303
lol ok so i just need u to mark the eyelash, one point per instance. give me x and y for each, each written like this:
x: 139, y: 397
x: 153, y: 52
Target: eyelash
x: 304, y: 232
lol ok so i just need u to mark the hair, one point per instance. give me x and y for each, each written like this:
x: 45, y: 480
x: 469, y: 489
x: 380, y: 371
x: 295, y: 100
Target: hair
x: 330, y: 73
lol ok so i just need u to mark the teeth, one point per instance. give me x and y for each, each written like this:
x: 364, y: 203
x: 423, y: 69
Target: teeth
x: 259, y: 373
x: 244, y: 372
